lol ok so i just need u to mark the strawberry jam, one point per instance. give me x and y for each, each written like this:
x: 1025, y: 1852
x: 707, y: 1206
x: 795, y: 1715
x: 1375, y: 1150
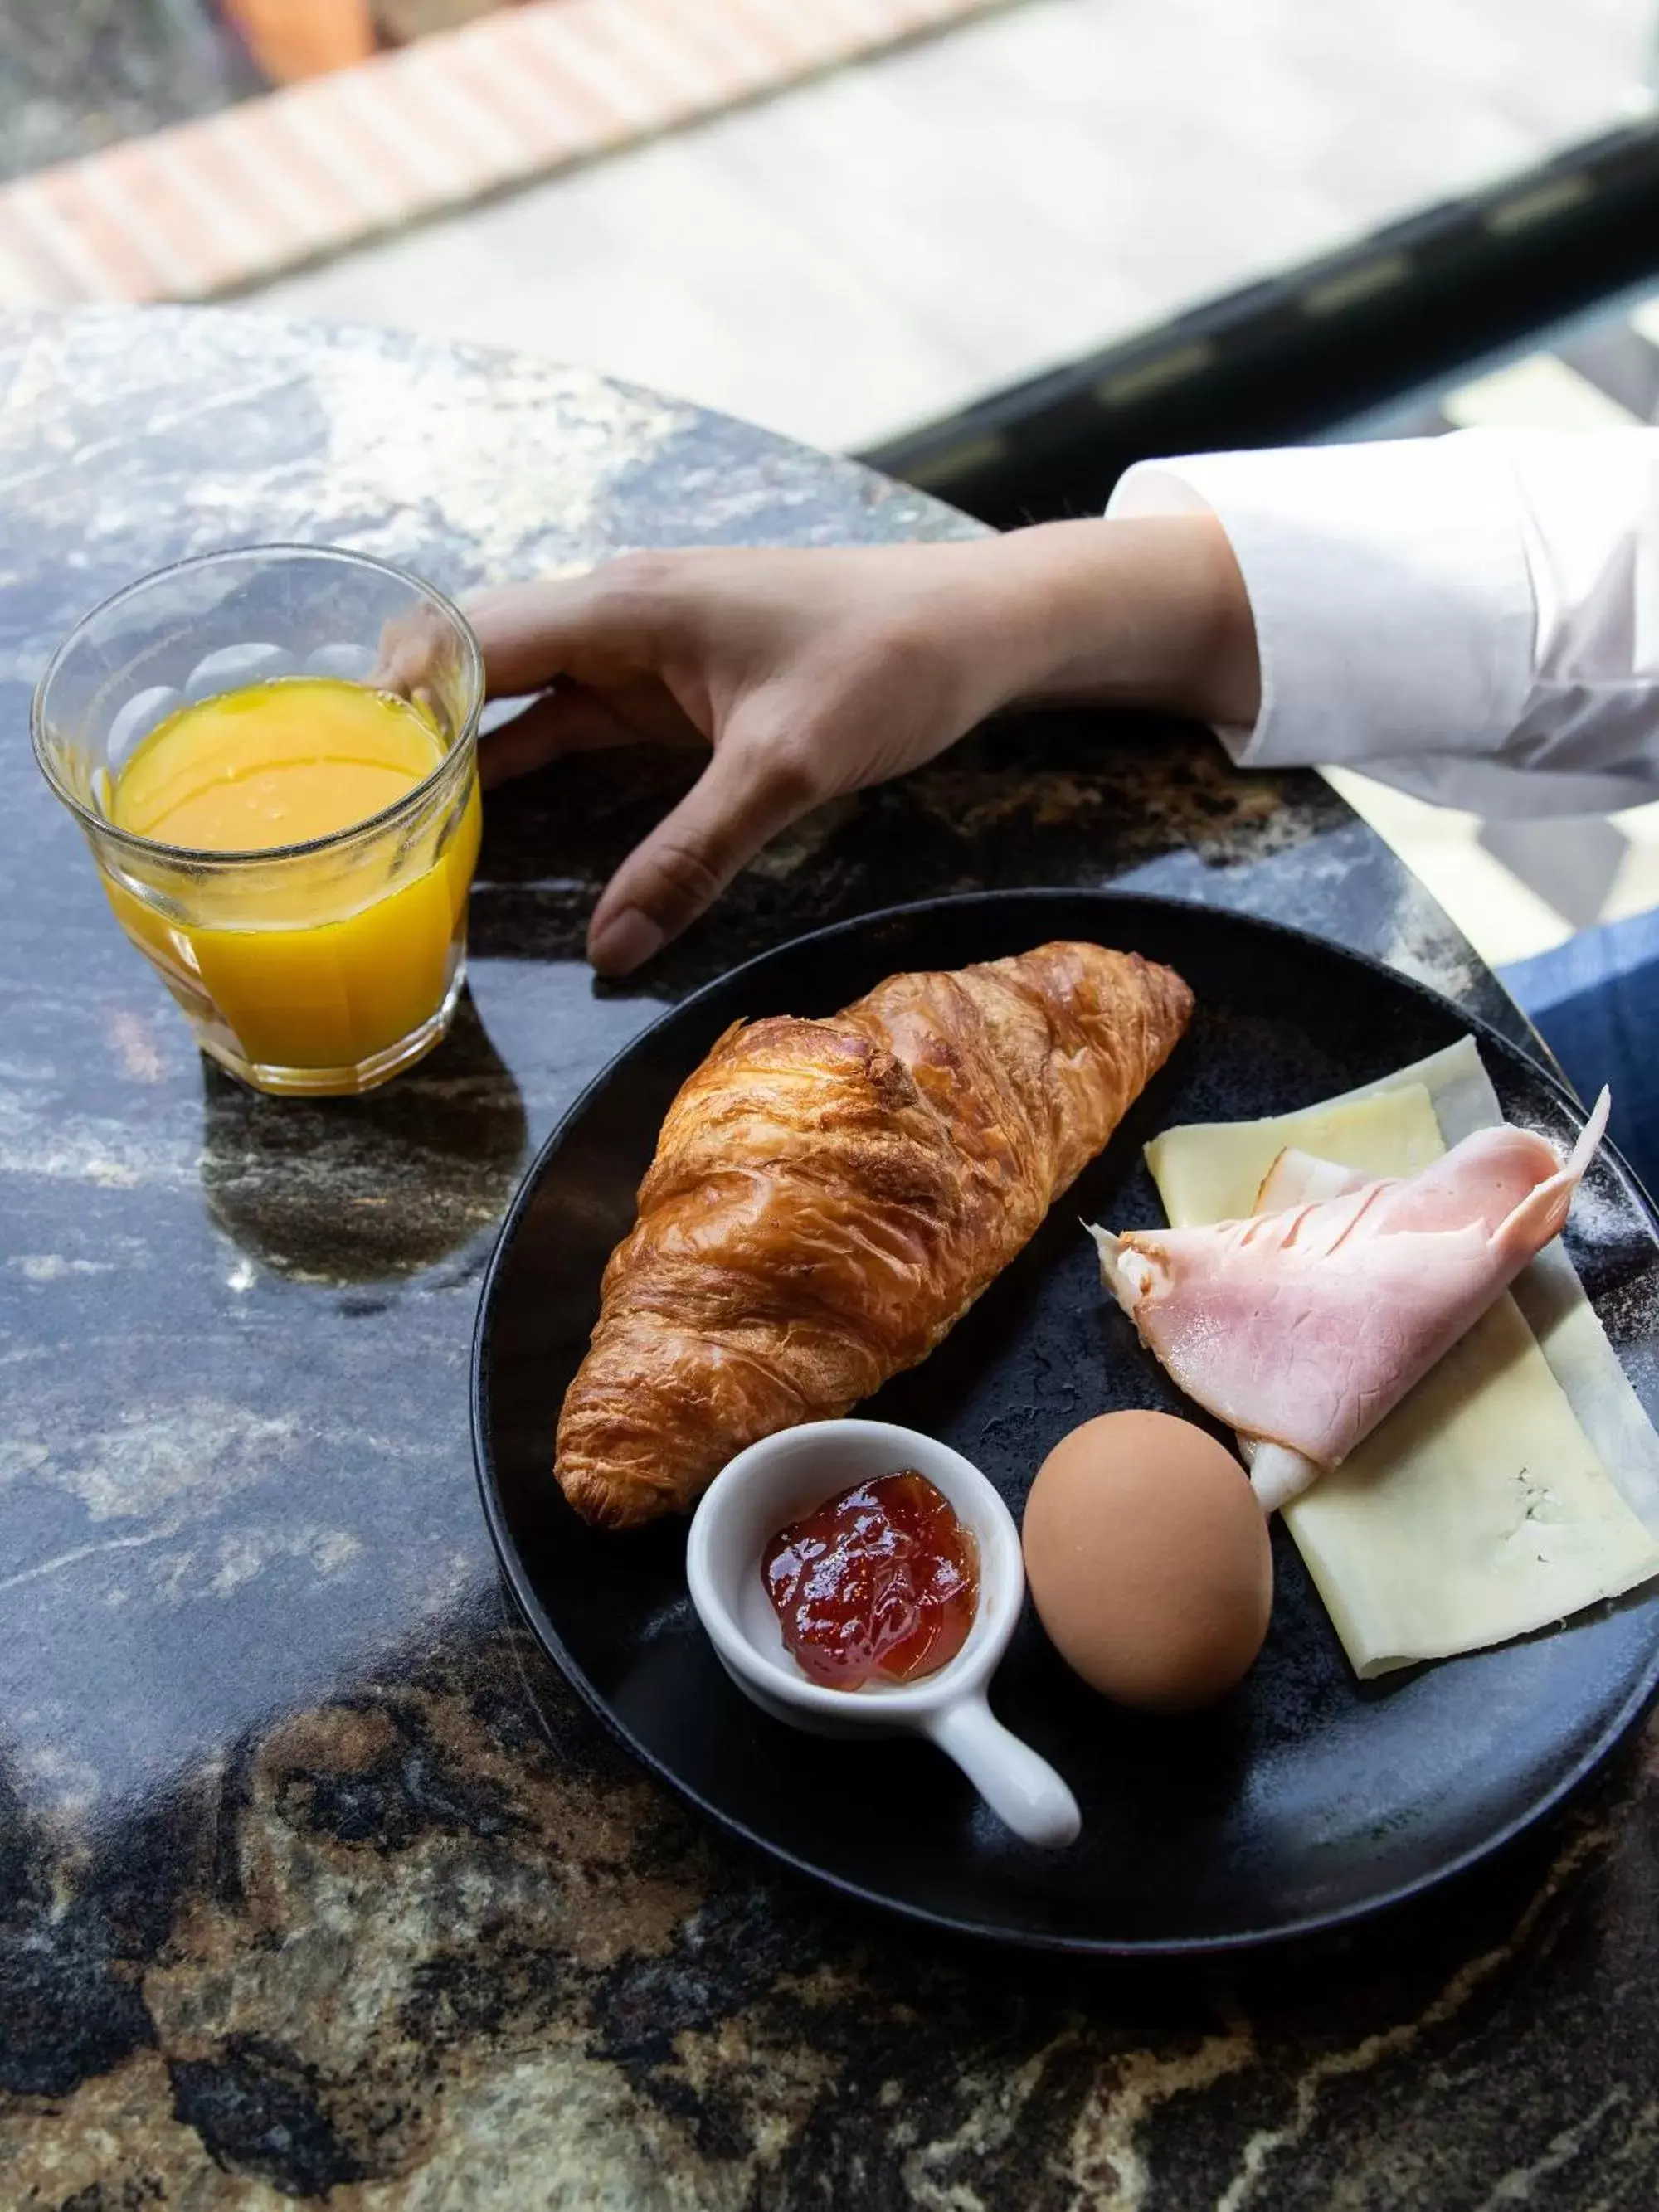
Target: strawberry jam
x: 880, y: 1583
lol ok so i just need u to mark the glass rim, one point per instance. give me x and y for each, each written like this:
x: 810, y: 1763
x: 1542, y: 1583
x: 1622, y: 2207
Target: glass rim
x: 283, y: 549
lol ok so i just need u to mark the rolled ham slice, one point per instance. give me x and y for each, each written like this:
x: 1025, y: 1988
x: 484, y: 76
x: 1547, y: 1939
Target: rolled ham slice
x: 1304, y: 1326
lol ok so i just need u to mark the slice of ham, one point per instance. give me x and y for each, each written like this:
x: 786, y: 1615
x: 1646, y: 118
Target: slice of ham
x: 1304, y: 1325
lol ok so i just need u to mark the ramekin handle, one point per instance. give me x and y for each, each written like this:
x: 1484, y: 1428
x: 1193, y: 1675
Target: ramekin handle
x: 1022, y: 1789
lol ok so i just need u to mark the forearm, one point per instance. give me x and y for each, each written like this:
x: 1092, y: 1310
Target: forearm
x: 1146, y: 612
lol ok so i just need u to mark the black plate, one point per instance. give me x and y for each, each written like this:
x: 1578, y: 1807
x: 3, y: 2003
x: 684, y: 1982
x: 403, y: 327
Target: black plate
x: 1307, y: 1799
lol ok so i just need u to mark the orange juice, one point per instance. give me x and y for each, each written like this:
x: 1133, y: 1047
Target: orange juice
x: 317, y: 961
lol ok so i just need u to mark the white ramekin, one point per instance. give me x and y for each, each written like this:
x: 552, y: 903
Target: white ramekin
x: 786, y: 1475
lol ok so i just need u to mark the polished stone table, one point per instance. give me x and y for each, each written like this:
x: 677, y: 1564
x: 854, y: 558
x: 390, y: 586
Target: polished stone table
x: 314, y: 1881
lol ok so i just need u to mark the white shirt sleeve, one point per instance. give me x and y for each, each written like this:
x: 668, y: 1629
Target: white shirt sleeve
x: 1475, y: 617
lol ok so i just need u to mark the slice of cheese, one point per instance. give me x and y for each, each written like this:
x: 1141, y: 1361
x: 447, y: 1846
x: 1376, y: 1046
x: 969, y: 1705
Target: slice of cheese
x: 1213, y: 1171
x: 1480, y: 1510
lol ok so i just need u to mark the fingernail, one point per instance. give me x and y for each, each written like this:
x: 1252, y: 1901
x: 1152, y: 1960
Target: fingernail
x: 625, y: 942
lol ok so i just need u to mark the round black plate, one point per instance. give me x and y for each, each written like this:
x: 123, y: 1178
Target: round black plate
x: 1307, y: 1799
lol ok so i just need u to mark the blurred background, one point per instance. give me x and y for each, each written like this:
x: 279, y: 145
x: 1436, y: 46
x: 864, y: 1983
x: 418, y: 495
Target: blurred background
x: 1001, y: 249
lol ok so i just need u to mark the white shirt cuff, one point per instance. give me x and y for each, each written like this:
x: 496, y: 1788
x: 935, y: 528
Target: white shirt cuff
x: 1389, y: 588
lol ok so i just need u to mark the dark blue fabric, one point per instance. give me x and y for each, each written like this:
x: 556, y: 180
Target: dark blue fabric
x: 1596, y: 1001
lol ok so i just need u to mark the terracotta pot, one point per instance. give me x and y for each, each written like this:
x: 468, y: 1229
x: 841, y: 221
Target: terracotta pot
x: 290, y: 39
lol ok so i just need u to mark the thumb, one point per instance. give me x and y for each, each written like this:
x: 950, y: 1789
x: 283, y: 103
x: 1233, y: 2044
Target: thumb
x: 750, y: 791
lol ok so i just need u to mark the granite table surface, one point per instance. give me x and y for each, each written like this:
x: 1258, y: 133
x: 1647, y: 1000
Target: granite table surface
x: 315, y: 1881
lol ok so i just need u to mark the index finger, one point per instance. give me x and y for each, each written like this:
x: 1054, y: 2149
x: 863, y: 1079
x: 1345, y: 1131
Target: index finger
x: 527, y: 631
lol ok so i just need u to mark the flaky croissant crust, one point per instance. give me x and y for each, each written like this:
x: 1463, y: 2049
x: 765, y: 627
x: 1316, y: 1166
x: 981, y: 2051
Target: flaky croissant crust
x: 829, y: 1197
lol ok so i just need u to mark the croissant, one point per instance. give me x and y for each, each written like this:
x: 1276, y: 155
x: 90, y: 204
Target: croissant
x: 829, y: 1198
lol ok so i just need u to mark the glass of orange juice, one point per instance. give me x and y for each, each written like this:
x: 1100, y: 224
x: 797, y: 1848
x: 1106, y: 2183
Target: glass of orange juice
x: 272, y: 754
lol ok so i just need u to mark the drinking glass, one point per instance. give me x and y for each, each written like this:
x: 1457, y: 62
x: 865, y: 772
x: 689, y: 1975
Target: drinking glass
x: 321, y: 968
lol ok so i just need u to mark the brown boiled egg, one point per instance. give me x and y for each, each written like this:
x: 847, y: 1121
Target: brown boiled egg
x: 1149, y: 1561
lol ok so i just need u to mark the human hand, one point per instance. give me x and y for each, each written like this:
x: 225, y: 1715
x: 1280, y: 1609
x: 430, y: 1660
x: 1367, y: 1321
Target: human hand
x: 810, y: 674
x: 807, y: 675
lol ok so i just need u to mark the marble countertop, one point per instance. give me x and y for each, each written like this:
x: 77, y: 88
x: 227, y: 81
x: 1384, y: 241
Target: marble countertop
x: 315, y: 1883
